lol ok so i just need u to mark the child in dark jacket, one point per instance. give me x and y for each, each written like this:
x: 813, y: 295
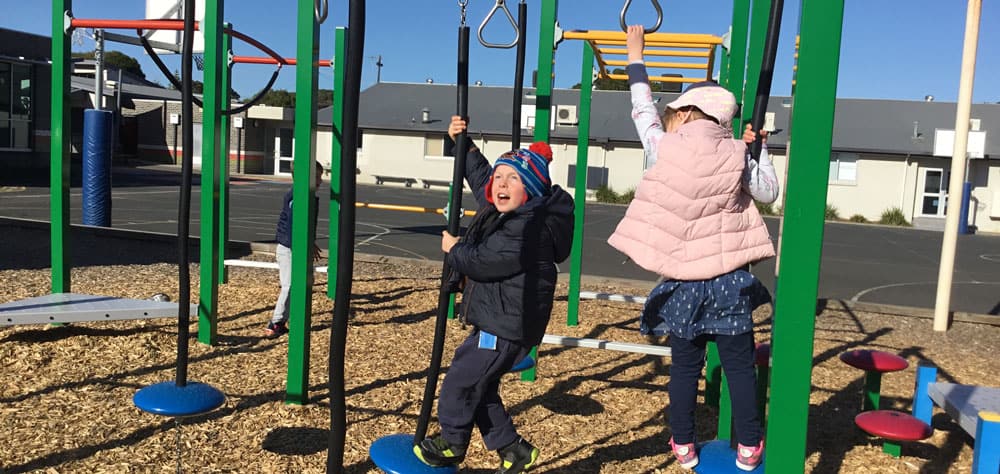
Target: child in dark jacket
x: 278, y: 324
x: 508, y: 257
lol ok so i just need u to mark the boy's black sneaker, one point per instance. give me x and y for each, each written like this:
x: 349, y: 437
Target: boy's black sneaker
x: 437, y: 452
x: 517, y: 457
x: 275, y: 330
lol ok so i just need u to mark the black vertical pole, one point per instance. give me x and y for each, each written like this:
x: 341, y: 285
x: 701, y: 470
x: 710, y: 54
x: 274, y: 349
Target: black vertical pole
x: 522, y: 28
x: 184, y: 207
x: 766, y: 74
x: 454, y: 219
x: 345, y: 244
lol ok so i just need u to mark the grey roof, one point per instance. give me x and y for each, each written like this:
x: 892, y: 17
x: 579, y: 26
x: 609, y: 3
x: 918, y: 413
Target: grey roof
x: 25, y: 46
x: 869, y: 125
x: 398, y: 106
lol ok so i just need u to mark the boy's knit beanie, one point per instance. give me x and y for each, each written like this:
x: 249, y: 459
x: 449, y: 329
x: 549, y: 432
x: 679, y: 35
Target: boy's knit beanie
x: 532, y: 165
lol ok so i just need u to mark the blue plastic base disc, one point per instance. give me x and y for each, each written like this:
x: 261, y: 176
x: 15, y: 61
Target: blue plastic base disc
x: 167, y: 399
x: 717, y: 457
x: 393, y: 454
x: 524, y: 364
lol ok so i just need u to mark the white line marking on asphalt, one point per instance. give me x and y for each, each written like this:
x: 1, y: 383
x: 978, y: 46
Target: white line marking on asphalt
x: 854, y: 299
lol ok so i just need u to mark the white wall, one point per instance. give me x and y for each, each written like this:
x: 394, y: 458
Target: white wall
x: 402, y: 156
x: 985, y: 195
x: 878, y: 187
x: 882, y: 181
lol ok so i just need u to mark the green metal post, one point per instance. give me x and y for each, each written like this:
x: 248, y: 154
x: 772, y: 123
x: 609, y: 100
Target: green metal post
x: 580, y: 185
x: 735, y: 66
x: 208, y: 303
x: 873, y: 389
x: 731, y: 71
x: 543, y: 98
x: 304, y: 206
x: 59, y: 147
x: 738, y: 52
x: 755, y: 55
x: 546, y: 58
x: 763, y: 380
x: 724, y: 402
x: 339, y: 75
x: 820, y: 25
x: 713, y: 375
x: 722, y: 57
x: 227, y: 85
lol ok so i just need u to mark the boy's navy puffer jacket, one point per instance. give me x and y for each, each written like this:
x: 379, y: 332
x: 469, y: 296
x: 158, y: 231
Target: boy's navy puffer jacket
x: 511, y: 266
x: 283, y: 231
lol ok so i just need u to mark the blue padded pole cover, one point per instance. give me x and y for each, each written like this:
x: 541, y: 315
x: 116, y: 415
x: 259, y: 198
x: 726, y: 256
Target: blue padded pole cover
x: 97, y: 167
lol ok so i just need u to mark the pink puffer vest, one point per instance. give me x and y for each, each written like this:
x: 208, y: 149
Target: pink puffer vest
x: 690, y: 219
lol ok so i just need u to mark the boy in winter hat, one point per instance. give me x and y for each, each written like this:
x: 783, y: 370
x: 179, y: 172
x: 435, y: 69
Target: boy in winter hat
x: 508, y: 258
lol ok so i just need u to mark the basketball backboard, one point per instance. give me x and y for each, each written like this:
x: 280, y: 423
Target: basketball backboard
x: 172, y: 10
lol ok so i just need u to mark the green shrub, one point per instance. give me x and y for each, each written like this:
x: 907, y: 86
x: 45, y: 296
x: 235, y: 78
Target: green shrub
x: 831, y: 213
x: 606, y: 194
x: 765, y: 209
x: 858, y: 218
x: 627, y: 196
x: 894, y: 216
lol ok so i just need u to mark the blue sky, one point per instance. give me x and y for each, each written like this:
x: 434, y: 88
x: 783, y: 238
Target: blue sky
x: 890, y: 49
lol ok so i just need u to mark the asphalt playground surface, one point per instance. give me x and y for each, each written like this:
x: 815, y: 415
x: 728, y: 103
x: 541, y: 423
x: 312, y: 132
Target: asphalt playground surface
x: 861, y: 263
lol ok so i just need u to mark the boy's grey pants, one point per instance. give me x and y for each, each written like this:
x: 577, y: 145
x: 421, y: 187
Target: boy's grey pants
x: 284, y: 257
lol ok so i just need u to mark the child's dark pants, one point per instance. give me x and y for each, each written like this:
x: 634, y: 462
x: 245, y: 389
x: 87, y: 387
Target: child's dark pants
x: 688, y: 358
x: 470, y: 393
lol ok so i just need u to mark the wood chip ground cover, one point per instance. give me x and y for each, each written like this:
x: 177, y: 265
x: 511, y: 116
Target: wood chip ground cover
x: 66, y: 392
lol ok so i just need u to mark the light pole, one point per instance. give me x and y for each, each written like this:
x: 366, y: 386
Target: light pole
x: 378, y: 65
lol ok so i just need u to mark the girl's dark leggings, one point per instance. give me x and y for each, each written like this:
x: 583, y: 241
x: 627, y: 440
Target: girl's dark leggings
x: 687, y: 361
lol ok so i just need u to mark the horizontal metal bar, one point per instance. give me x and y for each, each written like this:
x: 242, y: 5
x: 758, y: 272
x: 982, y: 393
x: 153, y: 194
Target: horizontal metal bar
x: 591, y: 295
x: 687, y: 80
x: 396, y: 207
x: 650, y: 38
x: 619, y: 62
x: 608, y: 345
x: 174, y: 48
x: 78, y: 308
x: 658, y: 45
x: 265, y: 265
x: 657, y: 52
x: 266, y: 60
x: 175, y: 25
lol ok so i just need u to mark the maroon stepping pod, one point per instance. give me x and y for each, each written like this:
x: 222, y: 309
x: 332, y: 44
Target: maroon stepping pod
x: 874, y: 361
x: 893, y: 425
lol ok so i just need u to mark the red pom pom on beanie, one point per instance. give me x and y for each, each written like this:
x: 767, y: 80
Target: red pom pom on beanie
x: 543, y: 149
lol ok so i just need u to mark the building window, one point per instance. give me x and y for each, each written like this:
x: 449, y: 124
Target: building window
x: 844, y: 168
x: 15, y: 106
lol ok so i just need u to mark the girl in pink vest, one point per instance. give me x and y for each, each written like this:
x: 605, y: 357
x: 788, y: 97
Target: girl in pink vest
x: 693, y: 222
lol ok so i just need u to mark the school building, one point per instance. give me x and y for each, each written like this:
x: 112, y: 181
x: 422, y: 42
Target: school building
x: 886, y: 153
